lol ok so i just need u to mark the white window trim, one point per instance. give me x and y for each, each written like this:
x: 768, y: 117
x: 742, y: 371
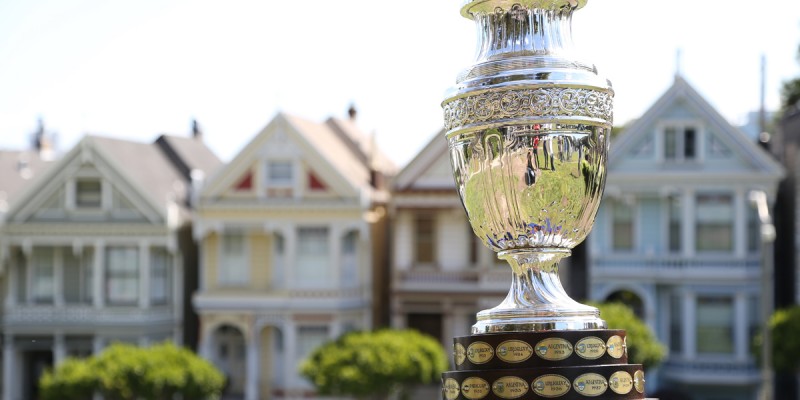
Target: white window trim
x: 680, y: 125
x: 220, y: 261
x: 297, y: 176
x: 632, y: 202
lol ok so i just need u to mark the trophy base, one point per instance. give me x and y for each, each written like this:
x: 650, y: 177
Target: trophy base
x: 567, y: 365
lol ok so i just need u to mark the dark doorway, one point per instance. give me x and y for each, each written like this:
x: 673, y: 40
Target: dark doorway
x: 630, y: 299
x: 430, y: 324
x: 35, y: 362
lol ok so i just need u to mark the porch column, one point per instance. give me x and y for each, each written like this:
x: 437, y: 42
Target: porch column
x: 689, y: 325
x: 58, y: 277
x: 688, y: 224
x: 290, y: 348
x: 742, y: 207
x: 59, y: 348
x: 290, y: 249
x: 335, y: 243
x: 98, y: 274
x: 251, y: 359
x: 9, y: 354
x: 740, y: 324
x: 144, y: 274
x: 11, y: 295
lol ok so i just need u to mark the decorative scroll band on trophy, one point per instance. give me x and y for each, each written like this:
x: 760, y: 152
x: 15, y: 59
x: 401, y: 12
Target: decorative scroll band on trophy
x: 528, y: 126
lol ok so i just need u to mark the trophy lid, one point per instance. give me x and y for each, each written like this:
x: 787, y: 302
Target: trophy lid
x: 471, y: 7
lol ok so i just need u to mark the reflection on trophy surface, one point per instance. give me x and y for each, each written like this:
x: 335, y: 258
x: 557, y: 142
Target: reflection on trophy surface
x: 528, y: 127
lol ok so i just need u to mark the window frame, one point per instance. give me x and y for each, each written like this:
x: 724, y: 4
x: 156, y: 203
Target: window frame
x: 224, y: 276
x: 680, y: 138
x: 113, y: 297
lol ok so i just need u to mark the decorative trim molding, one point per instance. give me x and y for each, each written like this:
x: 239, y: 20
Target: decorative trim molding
x: 520, y: 103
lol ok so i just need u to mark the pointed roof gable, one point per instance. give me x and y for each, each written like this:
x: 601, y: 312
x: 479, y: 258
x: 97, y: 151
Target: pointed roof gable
x: 143, y: 167
x: 327, y: 148
x: 681, y: 90
x: 434, y: 152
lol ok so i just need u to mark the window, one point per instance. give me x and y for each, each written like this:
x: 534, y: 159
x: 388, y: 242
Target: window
x: 680, y: 143
x: 160, y: 281
x: 675, y: 212
x: 232, y: 265
x: 78, y: 276
x: 308, y: 339
x: 88, y: 193
x: 424, y: 239
x: 349, y: 259
x: 278, y: 260
x: 753, y: 230
x: 622, y: 237
x: 714, y: 222
x: 42, y: 275
x: 122, y: 275
x: 675, y: 324
x: 313, y: 268
x: 715, y: 325
x: 280, y: 179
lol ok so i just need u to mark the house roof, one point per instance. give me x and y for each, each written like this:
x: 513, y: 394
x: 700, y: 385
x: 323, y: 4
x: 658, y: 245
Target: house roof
x: 435, y: 148
x: 681, y: 89
x: 188, y: 153
x: 144, y: 166
x: 17, y: 170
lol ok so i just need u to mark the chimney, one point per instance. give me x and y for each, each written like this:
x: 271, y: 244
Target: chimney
x: 43, y: 143
x: 352, y: 112
x: 196, y: 132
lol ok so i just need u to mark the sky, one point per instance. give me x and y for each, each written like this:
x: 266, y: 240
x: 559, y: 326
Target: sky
x: 137, y: 69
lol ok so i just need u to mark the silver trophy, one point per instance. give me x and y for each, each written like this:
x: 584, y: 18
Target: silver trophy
x: 528, y: 126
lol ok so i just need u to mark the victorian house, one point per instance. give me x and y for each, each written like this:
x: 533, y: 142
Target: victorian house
x: 678, y: 239
x: 290, y: 232
x: 92, y: 249
x: 442, y: 275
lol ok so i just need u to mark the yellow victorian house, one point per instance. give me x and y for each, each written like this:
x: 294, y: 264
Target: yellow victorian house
x: 290, y: 231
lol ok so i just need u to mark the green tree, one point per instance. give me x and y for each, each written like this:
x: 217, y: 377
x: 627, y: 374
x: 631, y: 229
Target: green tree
x: 790, y: 92
x: 784, y: 324
x: 643, y: 346
x: 375, y: 364
x: 126, y: 372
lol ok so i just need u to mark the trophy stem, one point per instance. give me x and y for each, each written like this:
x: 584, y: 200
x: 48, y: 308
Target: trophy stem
x: 537, y: 300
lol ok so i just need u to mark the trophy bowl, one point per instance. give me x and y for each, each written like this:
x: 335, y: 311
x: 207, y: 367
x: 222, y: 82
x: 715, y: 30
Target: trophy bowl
x: 527, y: 127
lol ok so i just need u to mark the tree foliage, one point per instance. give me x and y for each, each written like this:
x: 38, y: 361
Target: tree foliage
x: 784, y: 325
x: 127, y: 372
x: 790, y: 92
x: 375, y: 364
x: 643, y: 346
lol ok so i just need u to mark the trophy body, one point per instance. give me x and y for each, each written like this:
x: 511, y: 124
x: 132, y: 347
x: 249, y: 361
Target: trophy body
x: 527, y: 127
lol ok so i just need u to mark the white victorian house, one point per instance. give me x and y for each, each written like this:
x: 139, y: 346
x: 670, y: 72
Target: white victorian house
x: 91, y: 251
x: 290, y: 235
x: 677, y: 238
x: 442, y: 275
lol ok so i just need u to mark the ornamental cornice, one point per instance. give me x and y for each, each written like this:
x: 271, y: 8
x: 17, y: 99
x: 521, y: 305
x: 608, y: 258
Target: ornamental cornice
x: 531, y: 103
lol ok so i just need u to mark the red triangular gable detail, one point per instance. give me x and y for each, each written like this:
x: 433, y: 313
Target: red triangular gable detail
x: 315, y: 183
x: 246, y: 183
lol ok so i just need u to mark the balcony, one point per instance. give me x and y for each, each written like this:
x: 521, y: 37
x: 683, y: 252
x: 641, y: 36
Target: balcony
x: 676, y: 268
x: 483, y: 280
x: 712, y: 371
x: 25, y: 315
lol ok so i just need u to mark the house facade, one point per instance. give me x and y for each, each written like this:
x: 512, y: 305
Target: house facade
x: 442, y: 274
x: 287, y: 231
x: 677, y: 238
x: 91, y: 252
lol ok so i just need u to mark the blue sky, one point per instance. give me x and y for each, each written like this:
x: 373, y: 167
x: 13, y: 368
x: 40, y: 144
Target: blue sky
x: 134, y: 69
